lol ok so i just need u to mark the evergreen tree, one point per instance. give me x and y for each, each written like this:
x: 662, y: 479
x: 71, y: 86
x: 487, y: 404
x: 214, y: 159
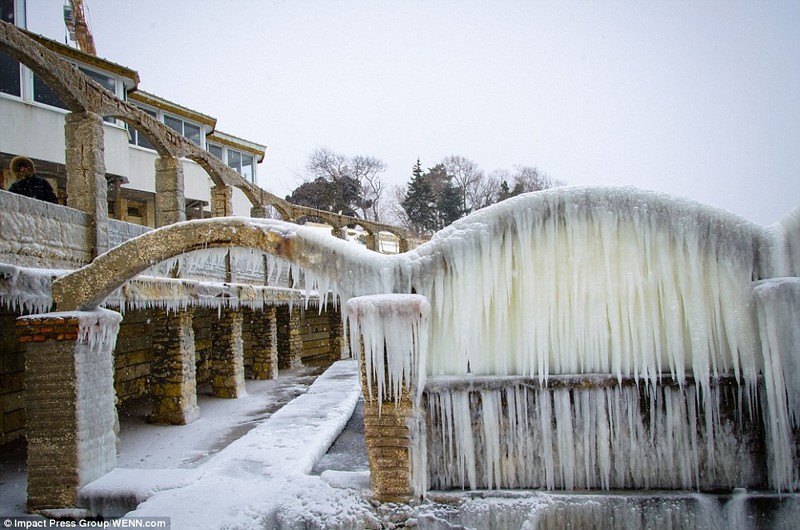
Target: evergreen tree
x: 419, y: 202
x: 448, y: 205
x: 432, y: 201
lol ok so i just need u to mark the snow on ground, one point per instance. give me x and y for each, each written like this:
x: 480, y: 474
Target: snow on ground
x: 242, y: 464
x: 261, y: 480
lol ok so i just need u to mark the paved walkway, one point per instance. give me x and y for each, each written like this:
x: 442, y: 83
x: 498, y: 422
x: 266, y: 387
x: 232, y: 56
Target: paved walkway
x: 260, y: 435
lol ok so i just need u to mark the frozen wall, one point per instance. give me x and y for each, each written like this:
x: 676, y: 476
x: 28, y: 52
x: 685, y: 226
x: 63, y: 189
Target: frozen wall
x: 40, y: 234
x: 637, y: 285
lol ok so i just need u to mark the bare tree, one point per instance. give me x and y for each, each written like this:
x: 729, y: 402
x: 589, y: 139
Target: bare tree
x: 367, y: 169
x: 528, y: 178
x: 395, y: 213
x: 468, y: 178
x: 336, y: 168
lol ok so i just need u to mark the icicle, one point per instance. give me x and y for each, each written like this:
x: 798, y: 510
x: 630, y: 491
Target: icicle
x: 393, y: 329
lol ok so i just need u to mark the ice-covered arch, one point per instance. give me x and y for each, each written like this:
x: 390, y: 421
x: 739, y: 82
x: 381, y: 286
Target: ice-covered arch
x: 569, y: 280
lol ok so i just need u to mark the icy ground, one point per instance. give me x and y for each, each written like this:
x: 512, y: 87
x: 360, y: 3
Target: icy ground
x: 244, y: 463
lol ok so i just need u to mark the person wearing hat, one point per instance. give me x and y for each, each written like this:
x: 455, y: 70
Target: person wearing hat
x: 28, y: 183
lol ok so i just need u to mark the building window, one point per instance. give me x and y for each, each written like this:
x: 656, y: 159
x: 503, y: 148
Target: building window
x: 248, y: 167
x: 9, y: 75
x: 42, y: 93
x: 173, y: 123
x: 7, y: 11
x: 103, y: 80
x: 215, y: 150
x: 235, y: 160
x: 137, y: 138
x: 189, y: 130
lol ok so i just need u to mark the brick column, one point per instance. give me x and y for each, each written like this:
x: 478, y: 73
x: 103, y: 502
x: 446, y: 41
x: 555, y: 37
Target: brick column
x: 259, y: 212
x: 339, y: 232
x: 336, y: 328
x: 221, y: 201
x: 227, y: 355
x: 71, y: 418
x: 87, y: 190
x: 290, y: 341
x: 170, y: 198
x: 372, y: 241
x: 393, y: 424
x: 264, y: 328
x: 391, y: 438
x: 174, y: 378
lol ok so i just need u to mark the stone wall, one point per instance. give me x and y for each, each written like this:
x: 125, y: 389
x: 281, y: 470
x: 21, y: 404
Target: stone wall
x: 315, y: 339
x: 40, y: 234
x: 204, y: 320
x: 12, y: 380
x: 315, y: 332
x: 133, y: 355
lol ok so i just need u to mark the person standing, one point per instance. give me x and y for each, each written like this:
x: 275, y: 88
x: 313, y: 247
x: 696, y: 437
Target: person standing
x: 28, y: 182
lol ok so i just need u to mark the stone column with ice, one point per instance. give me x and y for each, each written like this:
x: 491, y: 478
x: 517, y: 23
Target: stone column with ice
x: 71, y: 417
x: 391, y: 332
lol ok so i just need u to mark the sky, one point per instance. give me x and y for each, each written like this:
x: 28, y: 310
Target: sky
x: 697, y: 99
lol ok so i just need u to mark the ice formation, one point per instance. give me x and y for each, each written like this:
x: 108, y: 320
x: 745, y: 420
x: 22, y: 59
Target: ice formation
x: 25, y: 289
x: 621, y: 282
x: 598, y: 281
x: 393, y: 331
x: 587, y: 433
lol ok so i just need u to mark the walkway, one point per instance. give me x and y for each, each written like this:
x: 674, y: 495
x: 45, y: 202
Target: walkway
x: 239, y: 465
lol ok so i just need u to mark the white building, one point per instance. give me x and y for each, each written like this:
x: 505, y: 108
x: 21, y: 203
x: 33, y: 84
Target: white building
x: 33, y: 125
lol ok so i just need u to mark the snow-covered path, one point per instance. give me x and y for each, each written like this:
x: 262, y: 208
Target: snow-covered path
x: 260, y: 480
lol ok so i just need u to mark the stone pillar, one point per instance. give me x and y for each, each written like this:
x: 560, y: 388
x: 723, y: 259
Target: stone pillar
x: 372, y: 241
x: 290, y: 341
x: 260, y: 212
x: 71, y: 417
x: 390, y: 443
x: 339, y: 232
x: 403, y: 247
x: 227, y: 356
x: 221, y: 201
x: 393, y: 424
x: 174, y: 377
x: 264, y: 327
x: 336, y: 327
x: 87, y: 190
x: 170, y: 198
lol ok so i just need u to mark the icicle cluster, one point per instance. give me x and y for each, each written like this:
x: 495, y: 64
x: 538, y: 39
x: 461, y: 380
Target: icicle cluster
x: 594, y: 281
x: 601, y: 436
x: 393, y: 331
x: 602, y: 281
x: 98, y: 329
x: 26, y: 290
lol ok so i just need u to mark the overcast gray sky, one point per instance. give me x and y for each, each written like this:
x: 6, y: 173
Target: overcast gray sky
x: 698, y: 99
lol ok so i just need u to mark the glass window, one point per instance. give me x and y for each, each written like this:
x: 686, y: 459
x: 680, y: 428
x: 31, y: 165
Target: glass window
x: 44, y: 94
x: 191, y: 132
x: 9, y: 75
x: 173, y: 123
x: 103, y: 80
x: 7, y: 11
x: 235, y: 160
x: 137, y: 138
x: 247, y: 167
x: 215, y: 150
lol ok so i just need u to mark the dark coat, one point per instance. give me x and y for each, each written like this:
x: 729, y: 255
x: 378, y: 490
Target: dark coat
x: 36, y: 187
